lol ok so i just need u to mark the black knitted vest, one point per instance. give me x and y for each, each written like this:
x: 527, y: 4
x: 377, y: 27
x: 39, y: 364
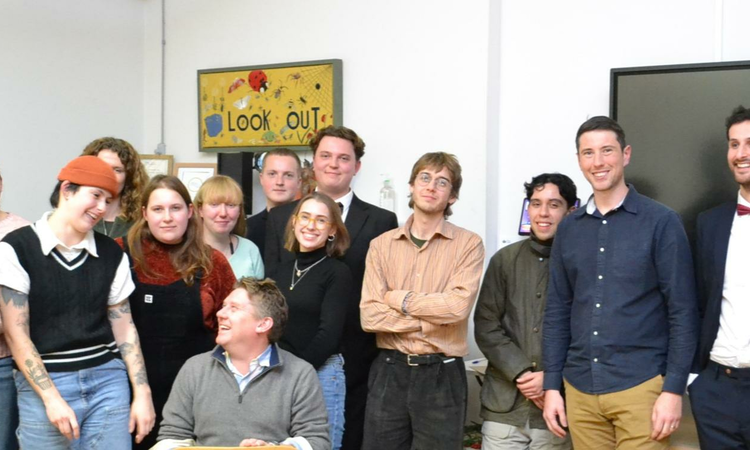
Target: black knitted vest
x: 68, y: 301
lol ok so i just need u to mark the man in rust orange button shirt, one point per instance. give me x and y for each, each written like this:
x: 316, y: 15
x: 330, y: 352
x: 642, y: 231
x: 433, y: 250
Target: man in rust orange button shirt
x: 421, y: 281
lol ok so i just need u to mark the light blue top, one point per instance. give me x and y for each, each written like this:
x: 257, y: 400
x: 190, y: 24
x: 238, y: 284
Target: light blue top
x: 246, y: 260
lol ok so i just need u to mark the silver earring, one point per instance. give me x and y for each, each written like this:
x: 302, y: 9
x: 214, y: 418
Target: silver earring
x: 331, y: 238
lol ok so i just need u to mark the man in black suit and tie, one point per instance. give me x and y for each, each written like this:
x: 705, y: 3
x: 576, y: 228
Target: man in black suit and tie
x: 337, y: 154
x: 720, y: 395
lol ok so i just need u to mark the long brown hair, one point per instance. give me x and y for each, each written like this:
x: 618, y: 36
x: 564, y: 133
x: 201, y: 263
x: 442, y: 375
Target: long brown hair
x: 335, y: 248
x: 135, y: 173
x: 187, y: 257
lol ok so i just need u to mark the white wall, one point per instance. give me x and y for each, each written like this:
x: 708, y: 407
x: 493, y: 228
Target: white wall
x: 68, y: 74
x: 555, y: 60
x: 415, y: 77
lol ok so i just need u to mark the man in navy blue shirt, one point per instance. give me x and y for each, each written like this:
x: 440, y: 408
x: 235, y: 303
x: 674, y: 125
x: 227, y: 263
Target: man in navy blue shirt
x: 621, y: 321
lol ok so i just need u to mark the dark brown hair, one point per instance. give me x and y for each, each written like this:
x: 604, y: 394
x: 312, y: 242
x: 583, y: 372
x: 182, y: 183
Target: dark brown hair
x: 341, y: 133
x: 187, y: 257
x: 601, y: 123
x: 135, y: 173
x: 340, y: 243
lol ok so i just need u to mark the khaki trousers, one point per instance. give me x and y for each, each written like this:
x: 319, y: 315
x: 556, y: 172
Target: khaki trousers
x: 618, y: 420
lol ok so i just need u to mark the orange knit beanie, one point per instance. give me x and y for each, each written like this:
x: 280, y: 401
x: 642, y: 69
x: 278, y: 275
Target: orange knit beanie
x: 90, y: 171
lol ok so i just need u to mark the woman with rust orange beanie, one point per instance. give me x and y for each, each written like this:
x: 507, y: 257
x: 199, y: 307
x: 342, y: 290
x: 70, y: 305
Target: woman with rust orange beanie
x: 67, y: 321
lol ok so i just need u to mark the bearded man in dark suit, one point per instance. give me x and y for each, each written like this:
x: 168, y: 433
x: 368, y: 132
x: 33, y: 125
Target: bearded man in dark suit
x: 719, y: 395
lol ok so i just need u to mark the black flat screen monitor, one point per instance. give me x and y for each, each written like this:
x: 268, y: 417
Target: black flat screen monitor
x: 673, y: 117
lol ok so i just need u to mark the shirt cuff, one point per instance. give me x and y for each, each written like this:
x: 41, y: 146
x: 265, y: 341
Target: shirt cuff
x: 691, y: 378
x: 552, y: 381
x: 297, y: 442
x: 523, y: 372
x: 395, y: 299
x: 675, y: 383
x: 170, y: 444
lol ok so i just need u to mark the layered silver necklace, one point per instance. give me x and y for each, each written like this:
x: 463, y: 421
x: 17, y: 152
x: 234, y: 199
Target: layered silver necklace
x: 300, y: 274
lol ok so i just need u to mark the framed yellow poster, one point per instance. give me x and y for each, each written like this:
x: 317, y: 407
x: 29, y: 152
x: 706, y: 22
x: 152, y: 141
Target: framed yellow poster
x: 276, y: 105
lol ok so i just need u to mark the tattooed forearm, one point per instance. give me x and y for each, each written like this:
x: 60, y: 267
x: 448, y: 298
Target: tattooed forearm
x: 129, y: 343
x: 131, y: 354
x: 38, y: 374
x: 19, y: 299
x: 126, y: 349
x: 129, y: 348
x: 140, y: 377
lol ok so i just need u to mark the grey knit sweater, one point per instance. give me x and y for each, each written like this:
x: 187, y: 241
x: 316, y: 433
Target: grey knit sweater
x: 284, y: 401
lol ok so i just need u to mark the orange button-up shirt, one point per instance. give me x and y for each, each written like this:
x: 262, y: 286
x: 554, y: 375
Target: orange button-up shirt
x: 443, y: 277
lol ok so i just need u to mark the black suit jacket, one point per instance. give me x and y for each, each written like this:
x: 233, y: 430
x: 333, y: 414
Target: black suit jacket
x: 256, y: 231
x: 712, y: 241
x: 364, y: 223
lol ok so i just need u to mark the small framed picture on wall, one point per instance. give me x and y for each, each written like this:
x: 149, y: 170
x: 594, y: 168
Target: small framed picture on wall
x: 193, y: 175
x: 157, y: 164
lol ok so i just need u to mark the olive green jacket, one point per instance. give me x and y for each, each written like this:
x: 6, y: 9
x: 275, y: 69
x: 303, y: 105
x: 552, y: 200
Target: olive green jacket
x: 508, y: 329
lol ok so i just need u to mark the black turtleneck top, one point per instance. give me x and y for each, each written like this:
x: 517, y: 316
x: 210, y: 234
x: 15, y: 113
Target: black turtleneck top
x: 317, y: 305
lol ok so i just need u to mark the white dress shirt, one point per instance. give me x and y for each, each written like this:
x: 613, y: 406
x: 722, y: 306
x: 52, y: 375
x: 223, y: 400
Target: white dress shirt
x: 732, y: 344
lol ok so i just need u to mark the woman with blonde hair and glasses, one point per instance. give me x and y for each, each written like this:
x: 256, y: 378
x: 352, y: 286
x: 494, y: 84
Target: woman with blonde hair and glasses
x: 180, y: 284
x: 131, y: 176
x: 318, y: 287
x: 220, y: 205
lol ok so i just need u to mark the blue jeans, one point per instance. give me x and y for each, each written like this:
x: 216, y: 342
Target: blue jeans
x: 333, y: 384
x: 8, y: 405
x: 100, y: 398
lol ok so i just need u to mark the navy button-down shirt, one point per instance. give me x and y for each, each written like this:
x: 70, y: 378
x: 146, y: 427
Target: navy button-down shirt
x: 621, y: 305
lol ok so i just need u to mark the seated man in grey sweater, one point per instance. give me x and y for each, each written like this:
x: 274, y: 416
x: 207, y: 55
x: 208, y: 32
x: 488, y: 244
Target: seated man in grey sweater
x: 247, y: 391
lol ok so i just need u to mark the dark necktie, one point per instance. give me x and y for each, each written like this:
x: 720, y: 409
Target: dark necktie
x: 742, y: 210
x: 341, y: 205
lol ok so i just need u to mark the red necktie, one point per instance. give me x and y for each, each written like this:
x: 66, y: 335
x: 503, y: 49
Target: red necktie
x: 742, y: 210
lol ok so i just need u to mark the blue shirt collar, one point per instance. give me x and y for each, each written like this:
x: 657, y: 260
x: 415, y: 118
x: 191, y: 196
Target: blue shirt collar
x: 629, y: 204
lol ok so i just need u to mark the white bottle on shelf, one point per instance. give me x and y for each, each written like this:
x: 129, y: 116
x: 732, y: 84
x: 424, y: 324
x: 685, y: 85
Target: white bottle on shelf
x: 388, y: 196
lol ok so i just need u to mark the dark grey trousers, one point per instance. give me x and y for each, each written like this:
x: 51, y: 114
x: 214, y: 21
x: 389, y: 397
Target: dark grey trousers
x: 415, y: 407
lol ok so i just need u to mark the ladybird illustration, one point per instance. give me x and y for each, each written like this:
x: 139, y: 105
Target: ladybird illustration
x: 258, y: 80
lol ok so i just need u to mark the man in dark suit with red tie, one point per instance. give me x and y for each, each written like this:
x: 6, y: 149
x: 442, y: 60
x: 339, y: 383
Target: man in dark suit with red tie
x: 720, y: 395
x: 337, y: 154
